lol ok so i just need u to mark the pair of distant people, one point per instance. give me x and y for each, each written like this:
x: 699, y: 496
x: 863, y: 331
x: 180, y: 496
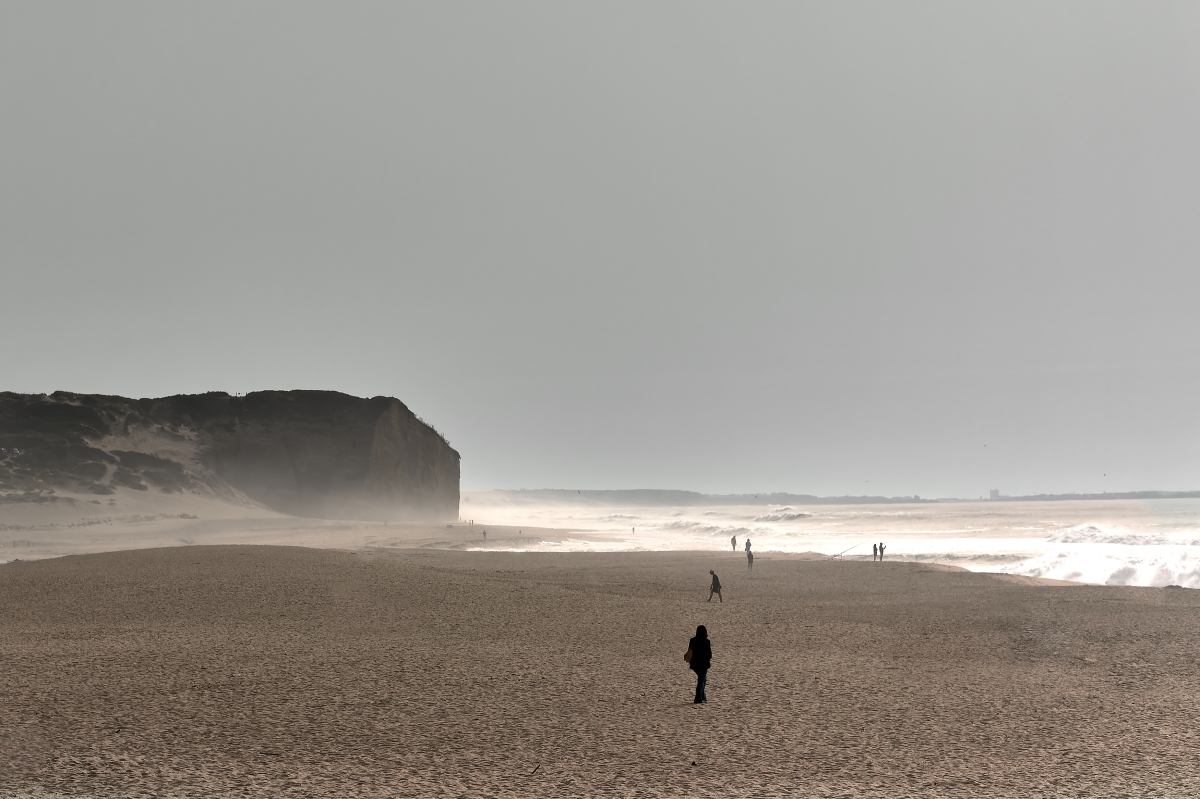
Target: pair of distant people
x: 749, y: 554
x: 877, y: 551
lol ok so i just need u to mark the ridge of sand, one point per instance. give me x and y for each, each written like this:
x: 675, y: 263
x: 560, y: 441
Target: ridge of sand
x: 282, y: 671
x: 67, y: 523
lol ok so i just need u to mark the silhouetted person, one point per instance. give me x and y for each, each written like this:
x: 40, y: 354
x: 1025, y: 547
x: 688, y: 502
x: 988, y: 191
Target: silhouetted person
x: 747, y: 544
x: 715, y: 588
x: 874, y: 552
x: 733, y: 543
x: 881, y: 548
x: 701, y: 659
x: 485, y: 535
x: 749, y: 560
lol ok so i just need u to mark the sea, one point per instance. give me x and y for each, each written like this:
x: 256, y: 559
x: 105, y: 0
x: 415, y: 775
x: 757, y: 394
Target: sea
x: 1152, y: 542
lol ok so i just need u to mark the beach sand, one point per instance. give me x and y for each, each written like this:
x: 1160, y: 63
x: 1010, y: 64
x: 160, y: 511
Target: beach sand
x: 76, y: 524
x: 223, y: 671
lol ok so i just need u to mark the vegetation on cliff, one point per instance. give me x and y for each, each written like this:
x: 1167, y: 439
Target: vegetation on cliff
x: 310, y: 453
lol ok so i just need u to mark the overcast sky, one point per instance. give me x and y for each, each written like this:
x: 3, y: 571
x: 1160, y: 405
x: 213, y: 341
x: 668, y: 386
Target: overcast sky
x: 887, y: 248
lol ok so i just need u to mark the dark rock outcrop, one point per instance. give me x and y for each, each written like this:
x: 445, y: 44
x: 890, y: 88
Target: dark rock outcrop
x: 309, y: 453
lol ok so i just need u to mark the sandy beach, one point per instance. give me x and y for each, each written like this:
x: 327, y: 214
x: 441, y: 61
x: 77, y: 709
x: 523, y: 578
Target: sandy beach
x: 76, y: 524
x: 268, y: 671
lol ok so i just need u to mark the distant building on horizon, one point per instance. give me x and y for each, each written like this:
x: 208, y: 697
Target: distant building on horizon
x: 994, y: 494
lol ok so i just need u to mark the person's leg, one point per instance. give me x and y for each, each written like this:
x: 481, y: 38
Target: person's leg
x: 701, y: 679
x: 710, y: 593
x: 703, y: 685
x: 720, y: 597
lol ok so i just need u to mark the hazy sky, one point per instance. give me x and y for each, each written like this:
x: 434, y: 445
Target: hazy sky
x: 828, y: 248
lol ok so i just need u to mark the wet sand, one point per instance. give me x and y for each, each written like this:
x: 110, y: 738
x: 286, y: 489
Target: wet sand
x: 222, y: 671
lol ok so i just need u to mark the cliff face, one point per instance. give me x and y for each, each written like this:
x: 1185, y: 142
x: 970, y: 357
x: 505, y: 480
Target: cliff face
x: 409, y: 464
x: 309, y: 453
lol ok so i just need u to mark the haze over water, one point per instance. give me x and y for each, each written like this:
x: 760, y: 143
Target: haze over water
x: 1114, y: 542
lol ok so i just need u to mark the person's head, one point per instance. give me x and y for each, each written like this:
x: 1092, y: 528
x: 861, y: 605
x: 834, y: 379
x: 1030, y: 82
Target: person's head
x: 702, y: 631
x: 710, y: 571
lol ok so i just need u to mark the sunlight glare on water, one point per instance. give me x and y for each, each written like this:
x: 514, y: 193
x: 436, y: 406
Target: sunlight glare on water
x: 1115, y: 542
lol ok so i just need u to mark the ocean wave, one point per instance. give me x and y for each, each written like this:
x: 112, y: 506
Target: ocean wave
x: 1091, y: 534
x: 1175, y: 566
x: 706, y: 529
x: 782, y: 517
x: 965, y: 557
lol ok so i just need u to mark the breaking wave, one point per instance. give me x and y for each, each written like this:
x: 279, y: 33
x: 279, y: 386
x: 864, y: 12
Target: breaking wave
x: 1175, y: 566
x: 706, y: 529
x: 1091, y: 534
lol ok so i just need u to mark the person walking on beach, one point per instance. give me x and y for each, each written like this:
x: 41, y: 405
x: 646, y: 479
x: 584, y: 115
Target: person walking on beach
x: 874, y: 552
x: 733, y: 543
x: 881, y: 548
x: 715, y: 588
x: 747, y: 544
x: 699, y: 658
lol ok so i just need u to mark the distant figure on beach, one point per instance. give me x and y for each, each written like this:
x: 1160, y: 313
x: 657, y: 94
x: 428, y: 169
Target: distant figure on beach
x: 881, y: 548
x: 699, y: 659
x: 874, y: 552
x: 747, y: 544
x: 733, y: 543
x: 485, y: 535
x: 749, y: 560
x: 715, y: 588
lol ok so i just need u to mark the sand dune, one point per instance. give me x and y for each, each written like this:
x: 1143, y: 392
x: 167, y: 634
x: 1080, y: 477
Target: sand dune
x: 75, y: 524
x: 266, y: 671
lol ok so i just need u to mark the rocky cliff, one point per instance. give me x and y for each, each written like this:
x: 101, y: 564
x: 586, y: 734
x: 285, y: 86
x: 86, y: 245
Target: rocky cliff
x: 308, y: 453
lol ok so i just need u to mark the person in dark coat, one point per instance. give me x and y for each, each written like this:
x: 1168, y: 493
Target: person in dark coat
x: 715, y: 588
x: 701, y: 659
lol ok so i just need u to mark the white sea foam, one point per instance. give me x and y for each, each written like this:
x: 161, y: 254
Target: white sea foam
x: 1112, y: 565
x: 1117, y: 542
x: 781, y: 517
x: 1093, y: 534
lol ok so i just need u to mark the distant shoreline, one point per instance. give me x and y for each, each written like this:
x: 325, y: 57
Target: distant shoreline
x: 666, y: 497
x: 1106, y: 495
